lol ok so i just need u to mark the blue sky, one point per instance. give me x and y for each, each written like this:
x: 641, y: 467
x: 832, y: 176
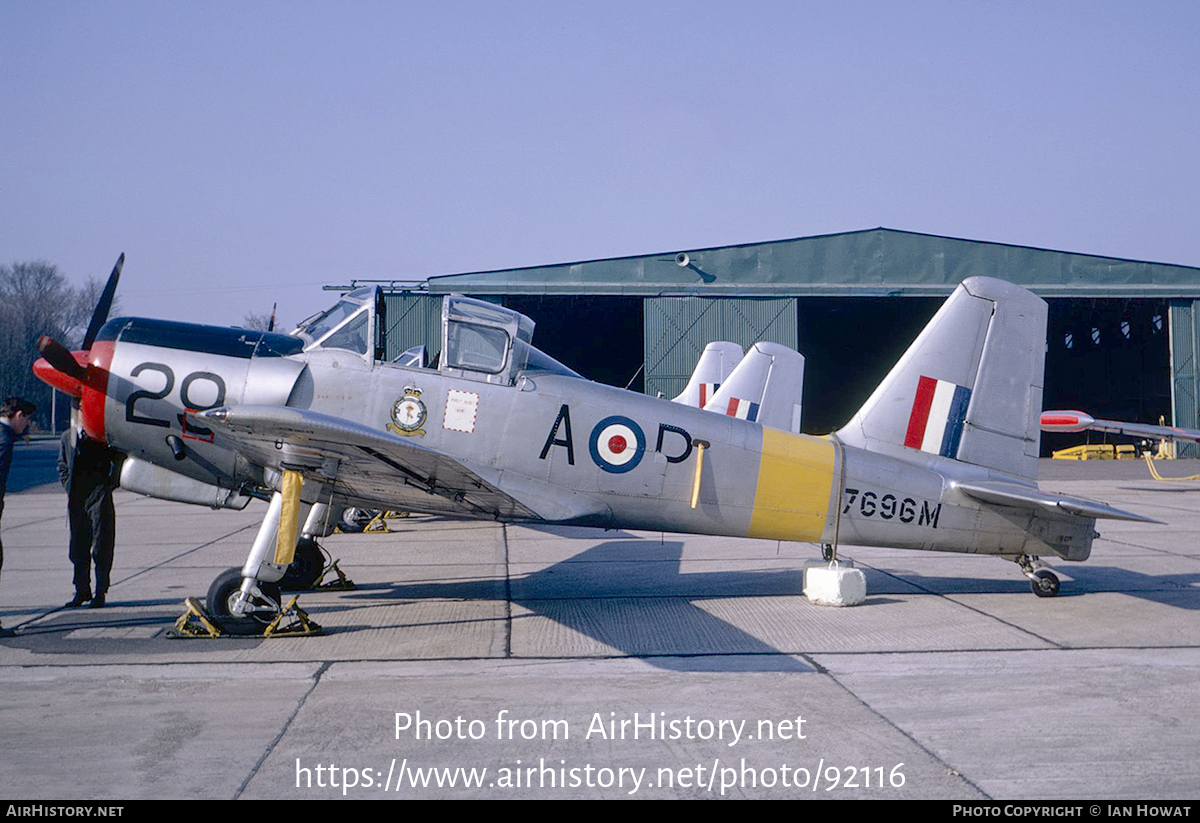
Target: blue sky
x: 243, y: 153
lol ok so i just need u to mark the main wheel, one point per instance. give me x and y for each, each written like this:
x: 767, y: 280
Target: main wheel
x: 1044, y: 583
x: 220, y: 599
x: 355, y: 520
x: 306, y: 567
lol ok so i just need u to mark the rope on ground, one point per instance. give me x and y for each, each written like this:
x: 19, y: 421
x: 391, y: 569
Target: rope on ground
x: 1157, y: 476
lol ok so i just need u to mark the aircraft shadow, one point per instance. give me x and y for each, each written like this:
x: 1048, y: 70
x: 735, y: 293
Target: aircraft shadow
x: 628, y: 595
x: 624, y: 595
x: 1178, y: 590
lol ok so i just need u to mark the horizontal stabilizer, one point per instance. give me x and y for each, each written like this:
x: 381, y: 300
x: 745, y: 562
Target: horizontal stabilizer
x: 970, y: 386
x: 1030, y: 497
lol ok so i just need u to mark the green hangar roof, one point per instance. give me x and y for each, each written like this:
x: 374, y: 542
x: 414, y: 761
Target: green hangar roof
x: 873, y: 262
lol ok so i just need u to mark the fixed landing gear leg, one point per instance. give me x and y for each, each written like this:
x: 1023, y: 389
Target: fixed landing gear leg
x: 308, y: 563
x: 312, y: 563
x: 1042, y: 581
x: 247, y: 600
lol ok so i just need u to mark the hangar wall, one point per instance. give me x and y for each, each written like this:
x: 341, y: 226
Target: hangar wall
x: 870, y: 263
x: 771, y: 290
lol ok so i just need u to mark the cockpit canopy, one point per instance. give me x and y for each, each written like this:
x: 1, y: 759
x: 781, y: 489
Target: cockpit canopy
x: 479, y: 340
x: 483, y: 341
x: 348, y: 325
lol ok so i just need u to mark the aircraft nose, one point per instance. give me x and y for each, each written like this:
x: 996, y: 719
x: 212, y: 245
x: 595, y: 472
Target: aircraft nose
x: 51, y: 376
x: 1065, y: 421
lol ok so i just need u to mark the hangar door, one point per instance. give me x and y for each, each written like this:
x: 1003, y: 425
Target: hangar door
x: 1185, y: 370
x: 410, y: 319
x: 677, y: 329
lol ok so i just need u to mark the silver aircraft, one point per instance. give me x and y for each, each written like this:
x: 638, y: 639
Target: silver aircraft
x: 1077, y: 421
x: 764, y: 385
x: 942, y: 457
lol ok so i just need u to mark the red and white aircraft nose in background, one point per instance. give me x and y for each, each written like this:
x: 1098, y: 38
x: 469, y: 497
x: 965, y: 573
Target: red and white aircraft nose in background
x: 1077, y: 421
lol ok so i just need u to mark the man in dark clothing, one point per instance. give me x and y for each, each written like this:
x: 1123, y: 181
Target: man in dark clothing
x: 14, y: 418
x: 85, y: 468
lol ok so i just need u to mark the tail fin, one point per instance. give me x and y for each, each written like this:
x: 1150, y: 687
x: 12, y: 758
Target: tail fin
x: 716, y: 363
x: 969, y: 387
x: 766, y: 386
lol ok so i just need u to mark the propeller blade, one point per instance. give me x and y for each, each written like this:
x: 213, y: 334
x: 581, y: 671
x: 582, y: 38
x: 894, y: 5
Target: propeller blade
x: 58, y: 356
x: 100, y: 315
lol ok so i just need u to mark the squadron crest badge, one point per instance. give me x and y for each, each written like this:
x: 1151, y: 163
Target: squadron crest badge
x: 408, y: 414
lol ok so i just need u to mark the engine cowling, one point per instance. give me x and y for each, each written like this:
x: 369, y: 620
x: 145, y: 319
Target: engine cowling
x: 159, y: 372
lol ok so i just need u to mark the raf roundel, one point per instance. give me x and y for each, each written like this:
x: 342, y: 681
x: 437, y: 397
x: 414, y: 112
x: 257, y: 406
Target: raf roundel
x: 617, y: 444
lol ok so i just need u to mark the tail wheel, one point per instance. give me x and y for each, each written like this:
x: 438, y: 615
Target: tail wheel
x: 1044, y: 583
x: 221, y: 596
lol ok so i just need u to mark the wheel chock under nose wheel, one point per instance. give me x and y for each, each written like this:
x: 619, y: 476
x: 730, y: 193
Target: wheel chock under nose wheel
x: 195, y: 622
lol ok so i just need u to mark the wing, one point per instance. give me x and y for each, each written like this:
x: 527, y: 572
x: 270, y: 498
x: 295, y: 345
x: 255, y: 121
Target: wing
x: 367, y: 465
x: 1077, y: 421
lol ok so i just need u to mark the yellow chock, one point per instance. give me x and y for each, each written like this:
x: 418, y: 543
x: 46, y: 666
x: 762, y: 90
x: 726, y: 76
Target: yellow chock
x: 342, y: 584
x: 298, y: 623
x: 194, y: 622
x: 377, y: 523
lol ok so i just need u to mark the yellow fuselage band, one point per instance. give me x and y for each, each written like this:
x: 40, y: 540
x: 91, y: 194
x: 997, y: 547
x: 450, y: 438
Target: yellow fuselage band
x: 795, y: 478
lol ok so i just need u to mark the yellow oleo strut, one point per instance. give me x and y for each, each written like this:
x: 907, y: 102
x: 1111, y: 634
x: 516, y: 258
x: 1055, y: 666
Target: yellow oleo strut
x: 795, y: 481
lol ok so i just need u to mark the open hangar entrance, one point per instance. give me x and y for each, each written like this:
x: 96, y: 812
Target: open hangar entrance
x: 599, y: 336
x: 849, y: 345
x: 1122, y: 338
x: 1110, y: 357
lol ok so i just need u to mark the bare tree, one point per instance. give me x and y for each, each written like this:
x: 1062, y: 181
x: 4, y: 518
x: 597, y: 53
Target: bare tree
x: 35, y: 299
x: 256, y: 322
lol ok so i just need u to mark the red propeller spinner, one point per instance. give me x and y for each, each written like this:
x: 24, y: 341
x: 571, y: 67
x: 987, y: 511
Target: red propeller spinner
x: 83, y: 374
